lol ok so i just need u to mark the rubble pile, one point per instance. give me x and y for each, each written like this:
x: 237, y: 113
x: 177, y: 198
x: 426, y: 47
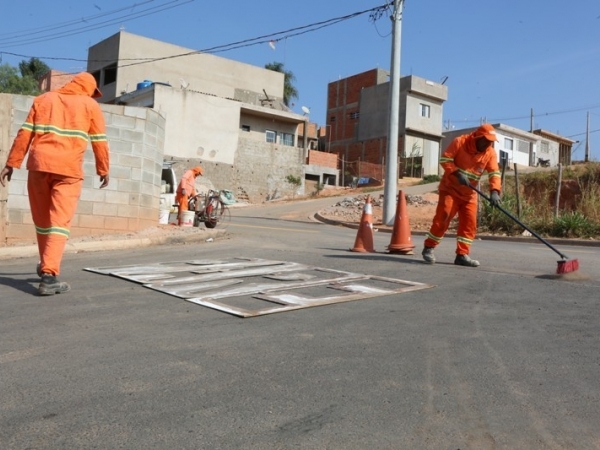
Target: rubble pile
x: 421, y: 209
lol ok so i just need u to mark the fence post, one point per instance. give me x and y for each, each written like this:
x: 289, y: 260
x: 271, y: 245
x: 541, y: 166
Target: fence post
x: 558, y: 185
x: 517, y: 192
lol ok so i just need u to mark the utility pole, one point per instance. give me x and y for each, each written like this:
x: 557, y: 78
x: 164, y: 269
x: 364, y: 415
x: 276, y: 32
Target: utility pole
x: 391, y: 170
x: 587, y: 139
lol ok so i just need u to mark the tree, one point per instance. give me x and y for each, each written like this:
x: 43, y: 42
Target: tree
x: 34, y: 68
x: 12, y: 83
x: 289, y: 90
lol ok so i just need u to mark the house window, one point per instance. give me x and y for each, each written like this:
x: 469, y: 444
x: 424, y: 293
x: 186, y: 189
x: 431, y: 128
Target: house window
x: 271, y: 136
x: 508, y: 143
x: 522, y: 146
x: 287, y: 139
x: 545, y: 147
x: 245, y: 127
x: 110, y: 74
x: 354, y: 115
x: 332, y: 119
x: 425, y: 110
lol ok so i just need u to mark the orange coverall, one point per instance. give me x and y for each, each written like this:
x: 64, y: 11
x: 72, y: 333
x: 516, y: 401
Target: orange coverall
x: 455, y: 198
x: 56, y: 134
x: 187, y: 184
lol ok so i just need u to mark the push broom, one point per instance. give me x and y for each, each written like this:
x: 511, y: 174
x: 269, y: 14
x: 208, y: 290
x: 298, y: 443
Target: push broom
x: 565, y: 265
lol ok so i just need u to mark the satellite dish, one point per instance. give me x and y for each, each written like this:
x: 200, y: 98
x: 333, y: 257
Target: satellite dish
x: 305, y: 110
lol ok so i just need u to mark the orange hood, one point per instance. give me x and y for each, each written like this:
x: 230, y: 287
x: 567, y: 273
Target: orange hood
x: 83, y: 83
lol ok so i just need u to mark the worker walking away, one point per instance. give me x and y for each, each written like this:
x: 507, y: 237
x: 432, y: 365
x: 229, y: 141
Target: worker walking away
x: 464, y: 162
x: 187, y: 189
x: 56, y: 133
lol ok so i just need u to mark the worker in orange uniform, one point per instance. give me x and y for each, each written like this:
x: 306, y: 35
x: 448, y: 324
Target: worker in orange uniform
x: 187, y: 188
x: 56, y: 134
x: 464, y: 161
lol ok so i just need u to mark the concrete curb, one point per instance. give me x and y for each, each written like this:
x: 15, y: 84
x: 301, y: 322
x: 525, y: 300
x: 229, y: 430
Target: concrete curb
x: 27, y: 251
x: 483, y: 237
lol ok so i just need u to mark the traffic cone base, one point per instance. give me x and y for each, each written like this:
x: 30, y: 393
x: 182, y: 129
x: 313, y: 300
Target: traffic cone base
x: 401, y: 242
x: 364, y: 236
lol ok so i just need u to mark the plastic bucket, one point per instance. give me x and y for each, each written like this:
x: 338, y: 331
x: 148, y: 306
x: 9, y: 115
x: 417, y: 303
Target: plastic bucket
x: 187, y: 218
x: 173, y: 220
x: 163, y: 216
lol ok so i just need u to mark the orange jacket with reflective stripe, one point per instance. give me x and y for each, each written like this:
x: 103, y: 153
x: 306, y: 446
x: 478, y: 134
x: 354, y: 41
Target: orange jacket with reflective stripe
x: 462, y: 155
x: 188, y: 182
x: 57, y: 130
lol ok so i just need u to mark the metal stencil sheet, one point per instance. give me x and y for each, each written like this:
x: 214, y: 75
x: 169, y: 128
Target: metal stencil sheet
x: 251, y: 287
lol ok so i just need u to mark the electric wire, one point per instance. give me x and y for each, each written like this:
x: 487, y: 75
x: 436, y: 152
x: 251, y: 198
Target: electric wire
x: 57, y: 26
x: 107, y: 23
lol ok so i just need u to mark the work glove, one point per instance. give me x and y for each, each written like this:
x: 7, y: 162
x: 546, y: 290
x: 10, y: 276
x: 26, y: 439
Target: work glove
x: 495, y: 198
x: 462, y: 178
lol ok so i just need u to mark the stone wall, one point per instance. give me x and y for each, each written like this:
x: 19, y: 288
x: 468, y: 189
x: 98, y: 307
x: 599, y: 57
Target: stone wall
x: 131, y: 200
x: 261, y: 169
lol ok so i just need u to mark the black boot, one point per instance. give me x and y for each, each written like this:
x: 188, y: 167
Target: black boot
x: 428, y: 255
x: 50, y: 285
x: 464, y: 260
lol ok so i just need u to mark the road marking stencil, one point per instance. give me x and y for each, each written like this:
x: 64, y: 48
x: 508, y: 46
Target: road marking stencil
x: 277, y: 286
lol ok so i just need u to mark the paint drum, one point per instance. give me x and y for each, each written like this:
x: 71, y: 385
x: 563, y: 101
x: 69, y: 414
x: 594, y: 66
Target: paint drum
x: 163, y: 217
x: 187, y: 218
x: 173, y: 219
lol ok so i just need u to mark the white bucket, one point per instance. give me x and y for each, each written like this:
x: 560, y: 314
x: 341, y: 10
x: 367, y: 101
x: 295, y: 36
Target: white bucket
x: 163, y: 216
x: 173, y: 219
x: 187, y: 218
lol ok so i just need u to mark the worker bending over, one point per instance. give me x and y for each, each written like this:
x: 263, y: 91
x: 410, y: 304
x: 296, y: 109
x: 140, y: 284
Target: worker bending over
x: 464, y: 161
x: 187, y: 189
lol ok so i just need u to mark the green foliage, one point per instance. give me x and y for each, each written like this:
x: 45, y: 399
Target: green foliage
x: 289, y: 90
x: 34, y: 68
x: 578, y: 218
x: 430, y: 179
x: 318, y: 188
x: 12, y: 83
x: 293, y: 180
x: 573, y: 224
x: 496, y: 221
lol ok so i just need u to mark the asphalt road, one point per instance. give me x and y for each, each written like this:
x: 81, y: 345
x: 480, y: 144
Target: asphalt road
x: 503, y: 356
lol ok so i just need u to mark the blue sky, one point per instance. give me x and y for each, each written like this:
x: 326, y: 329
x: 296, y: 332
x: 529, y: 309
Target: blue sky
x: 502, y: 59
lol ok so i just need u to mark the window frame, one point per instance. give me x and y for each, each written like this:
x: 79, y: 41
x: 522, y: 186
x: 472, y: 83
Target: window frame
x: 272, y: 133
x: 286, y: 139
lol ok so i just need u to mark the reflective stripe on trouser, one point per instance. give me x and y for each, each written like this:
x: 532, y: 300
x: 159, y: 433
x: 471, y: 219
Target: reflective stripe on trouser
x: 447, y: 208
x: 183, y: 205
x: 53, y: 200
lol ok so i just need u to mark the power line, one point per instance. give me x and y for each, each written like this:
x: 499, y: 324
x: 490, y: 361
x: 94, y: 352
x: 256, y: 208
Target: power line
x: 86, y: 27
x: 38, y: 30
x: 277, y: 36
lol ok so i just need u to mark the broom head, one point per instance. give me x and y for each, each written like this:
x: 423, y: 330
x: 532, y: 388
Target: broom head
x: 567, y: 266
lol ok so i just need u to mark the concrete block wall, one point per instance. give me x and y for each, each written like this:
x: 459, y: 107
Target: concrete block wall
x: 131, y: 200
x: 261, y: 169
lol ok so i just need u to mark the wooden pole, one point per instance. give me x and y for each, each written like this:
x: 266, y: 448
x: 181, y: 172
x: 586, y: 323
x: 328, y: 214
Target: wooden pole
x: 517, y: 191
x: 558, y: 185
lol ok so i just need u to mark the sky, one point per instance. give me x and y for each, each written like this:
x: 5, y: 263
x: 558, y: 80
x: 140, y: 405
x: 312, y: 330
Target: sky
x: 501, y: 60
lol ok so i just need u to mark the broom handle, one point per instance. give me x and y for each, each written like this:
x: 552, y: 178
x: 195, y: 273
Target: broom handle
x: 550, y: 246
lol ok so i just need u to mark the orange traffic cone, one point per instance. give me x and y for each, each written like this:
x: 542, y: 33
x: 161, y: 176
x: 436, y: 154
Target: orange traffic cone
x: 364, y: 237
x: 401, y: 241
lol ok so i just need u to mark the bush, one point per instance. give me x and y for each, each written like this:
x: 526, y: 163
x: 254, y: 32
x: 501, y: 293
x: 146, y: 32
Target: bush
x: 580, y: 208
x: 573, y: 224
x: 430, y: 179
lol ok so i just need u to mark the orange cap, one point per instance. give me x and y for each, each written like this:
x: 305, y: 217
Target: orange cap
x: 487, y: 131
